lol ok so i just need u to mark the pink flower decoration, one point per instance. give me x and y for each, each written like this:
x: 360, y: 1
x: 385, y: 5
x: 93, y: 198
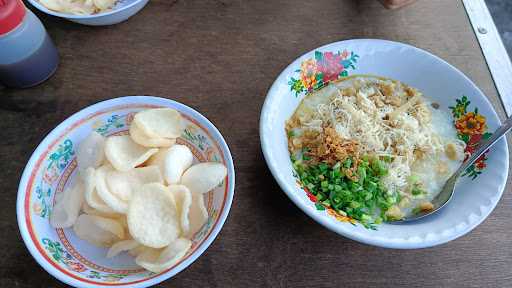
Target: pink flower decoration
x: 330, y: 66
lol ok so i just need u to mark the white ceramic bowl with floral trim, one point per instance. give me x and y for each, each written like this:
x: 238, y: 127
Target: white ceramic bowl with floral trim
x: 123, y: 10
x: 475, y: 196
x: 51, y: 168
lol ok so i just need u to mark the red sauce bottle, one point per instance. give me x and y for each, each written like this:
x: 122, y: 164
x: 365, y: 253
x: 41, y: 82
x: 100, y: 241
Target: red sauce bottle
x: 27, y: 54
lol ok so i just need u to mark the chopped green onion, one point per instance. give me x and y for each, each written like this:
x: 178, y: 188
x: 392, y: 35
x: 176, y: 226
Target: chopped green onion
x: 360, y: 199
x: 416, y: 191
x: 387, y: 159
x: 319, y: 206
x: 361, y: 171
x: 347, y: 163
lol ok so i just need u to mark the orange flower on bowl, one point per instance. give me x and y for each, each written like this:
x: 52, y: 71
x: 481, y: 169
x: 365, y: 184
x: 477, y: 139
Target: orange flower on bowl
x: 471, y: 123
x: 480, y: 165
x: 76, y: 266
x: 51, y: 175
x: 308, y: 70
x: 97, y: 124
x: 36, y: 207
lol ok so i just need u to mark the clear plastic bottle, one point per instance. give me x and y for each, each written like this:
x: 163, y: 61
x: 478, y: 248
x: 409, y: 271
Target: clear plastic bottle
x: 27, y: 54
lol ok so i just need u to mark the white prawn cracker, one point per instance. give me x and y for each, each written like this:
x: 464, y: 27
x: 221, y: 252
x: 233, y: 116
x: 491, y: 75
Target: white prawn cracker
x: 173, y: 162
x: 79, y: 7
x: 90, y: 152
x: 91, y: 194
x: 160, y: 122
x: 156, y: 262
x: 104, y: 4
x: 183, y: 199
x: 141, y: 138
x: 113, y: 226
x: 66, y: 210
x: 87, y: 209
x: 124, y: 154
x: 54, y: 5
x: 122, y: 184
x: 198, y: 215
x: 114, y: 202
x: 88, y: 228
x: 203, y: 177
x: 152, y: 216
x: 123, y: 221
x: 139, y: 250
x: 121, y: 246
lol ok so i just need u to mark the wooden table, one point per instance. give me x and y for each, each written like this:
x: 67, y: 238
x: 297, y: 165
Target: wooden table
x: 220, y: 57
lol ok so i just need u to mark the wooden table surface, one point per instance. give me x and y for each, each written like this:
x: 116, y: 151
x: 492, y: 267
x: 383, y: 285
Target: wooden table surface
x: 220, y: 57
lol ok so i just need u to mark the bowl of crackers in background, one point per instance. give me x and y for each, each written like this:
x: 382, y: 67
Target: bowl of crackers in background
x: 91, y: 12
x: 126, y: 192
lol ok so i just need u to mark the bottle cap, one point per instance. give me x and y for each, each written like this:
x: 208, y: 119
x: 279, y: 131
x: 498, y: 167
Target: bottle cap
x: 12, y: 13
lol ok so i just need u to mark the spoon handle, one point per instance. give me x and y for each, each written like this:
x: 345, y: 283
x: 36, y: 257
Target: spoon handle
x: 504, y: 128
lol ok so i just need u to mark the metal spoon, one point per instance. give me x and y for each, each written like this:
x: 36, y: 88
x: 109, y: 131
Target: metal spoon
x: 446, y: 194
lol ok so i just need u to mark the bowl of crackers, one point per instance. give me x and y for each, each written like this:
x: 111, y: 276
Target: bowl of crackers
x: 91, y: 12
x: 126, y: 192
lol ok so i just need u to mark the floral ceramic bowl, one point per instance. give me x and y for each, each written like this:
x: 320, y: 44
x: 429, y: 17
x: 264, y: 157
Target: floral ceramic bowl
x: 476, y: 194
x: 52, y: 168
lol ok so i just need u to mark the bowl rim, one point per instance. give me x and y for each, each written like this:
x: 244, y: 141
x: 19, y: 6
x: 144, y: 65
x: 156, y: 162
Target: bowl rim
x: 321, y: 219
x: 55, y: 132
x: 42, y: 8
